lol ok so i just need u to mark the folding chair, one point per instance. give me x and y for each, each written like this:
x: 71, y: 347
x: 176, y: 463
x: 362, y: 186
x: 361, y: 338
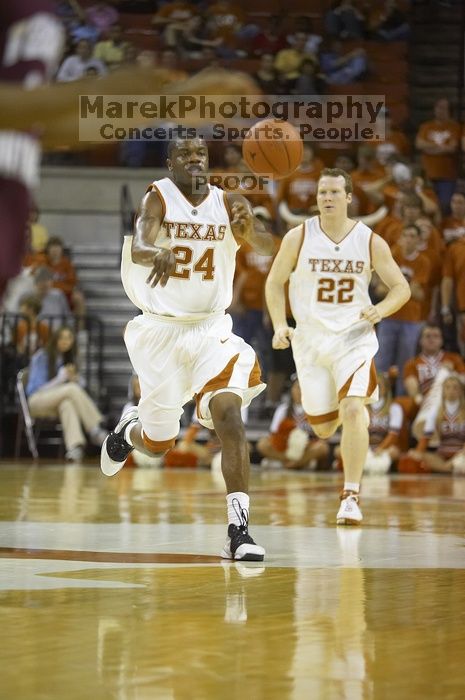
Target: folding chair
x: 33, y: 427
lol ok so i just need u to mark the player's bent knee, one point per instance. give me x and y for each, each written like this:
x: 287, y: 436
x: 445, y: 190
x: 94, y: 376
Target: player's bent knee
x: 324, y: 430
x: 229, y: 423
x: 351, y: 409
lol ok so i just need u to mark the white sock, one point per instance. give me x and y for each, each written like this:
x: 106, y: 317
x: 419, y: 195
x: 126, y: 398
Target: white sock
x: 237, y: 502
x: 351, y: 486
x: 127, y: 432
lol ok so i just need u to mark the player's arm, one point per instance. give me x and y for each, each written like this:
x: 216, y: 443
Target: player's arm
x: 390, y: 274
x: 246, y: 226
x: 147, y: 248
x: 283, y: 264
x: 52, y: 111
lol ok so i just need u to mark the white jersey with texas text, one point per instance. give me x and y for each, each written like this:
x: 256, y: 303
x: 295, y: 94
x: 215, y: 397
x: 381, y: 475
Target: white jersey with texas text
x: 203, y: 243
x: 329, y: 285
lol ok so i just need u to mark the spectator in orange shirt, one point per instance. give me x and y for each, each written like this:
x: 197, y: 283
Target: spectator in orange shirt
x: 64, y: 274
x: 424, y: 374
x: 438, y: 141
x: 432, y: 246
x: 447, y: 425
x: 453, y: 226
x: 409, y: 179
x: 453, y: 289
x: 297, y: 193
x: 369, y: 175
x: 398, y: 335
x: 410, y: 209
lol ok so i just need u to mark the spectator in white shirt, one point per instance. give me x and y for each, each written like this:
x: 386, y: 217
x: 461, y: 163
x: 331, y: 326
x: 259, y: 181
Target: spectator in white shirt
x: 75, y: 66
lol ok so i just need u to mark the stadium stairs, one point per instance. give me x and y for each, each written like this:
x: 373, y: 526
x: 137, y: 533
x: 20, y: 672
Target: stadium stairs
x: 434, y: 57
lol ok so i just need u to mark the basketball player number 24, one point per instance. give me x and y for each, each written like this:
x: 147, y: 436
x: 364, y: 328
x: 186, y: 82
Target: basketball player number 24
x: 331, y: 291
x: 204, y: 264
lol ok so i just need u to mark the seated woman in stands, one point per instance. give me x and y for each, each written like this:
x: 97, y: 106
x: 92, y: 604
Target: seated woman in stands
x: 447, y: 427
x: 291, y: 443
x: 54, y: 390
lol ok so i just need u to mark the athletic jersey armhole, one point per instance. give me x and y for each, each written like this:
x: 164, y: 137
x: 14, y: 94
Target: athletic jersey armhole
x: 302, y: 236
x: 154, y: 188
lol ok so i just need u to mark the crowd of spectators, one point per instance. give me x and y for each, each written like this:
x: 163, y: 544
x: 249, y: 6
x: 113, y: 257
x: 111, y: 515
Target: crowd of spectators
x: 405, y: 187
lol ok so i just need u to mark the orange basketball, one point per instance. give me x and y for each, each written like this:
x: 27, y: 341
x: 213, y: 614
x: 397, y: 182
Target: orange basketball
x: 272, y: 147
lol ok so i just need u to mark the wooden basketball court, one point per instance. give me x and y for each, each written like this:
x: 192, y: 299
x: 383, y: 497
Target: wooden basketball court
x: 112, y: 589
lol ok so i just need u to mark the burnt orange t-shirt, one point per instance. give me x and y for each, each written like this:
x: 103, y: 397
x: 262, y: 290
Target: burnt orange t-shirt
x: 255, y: 267
x: 440, y: 167
x: 31, y: 335
x: 415, y: 269
x: 360, y: 178
x: 64, y: 275
x: 299, y: 189
x: 454, y: 266
x: 452, y: 229
x: 392, y: 193
x: 383, y: 227
x: 425, y: 368
x: 395, y: 144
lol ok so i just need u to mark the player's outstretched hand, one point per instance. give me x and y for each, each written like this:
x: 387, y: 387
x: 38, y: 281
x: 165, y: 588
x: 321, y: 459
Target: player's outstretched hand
x: 163, y: 265
x: 371, y: 314
x: 282, y: 338
x: 242, y: 219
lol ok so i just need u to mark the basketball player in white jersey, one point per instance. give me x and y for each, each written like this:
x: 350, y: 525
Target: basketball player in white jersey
x: 328, y: 261
x: 178, y: 268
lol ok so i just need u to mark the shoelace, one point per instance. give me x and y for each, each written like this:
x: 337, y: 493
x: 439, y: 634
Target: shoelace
x: 241, y: 513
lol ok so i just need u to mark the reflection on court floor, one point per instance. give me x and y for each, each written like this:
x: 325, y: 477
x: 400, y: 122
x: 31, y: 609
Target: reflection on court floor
x: 113, y: 588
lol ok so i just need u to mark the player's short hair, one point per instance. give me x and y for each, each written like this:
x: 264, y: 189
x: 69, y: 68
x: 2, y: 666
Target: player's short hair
x: 175, y: 143
x: 338, y: 172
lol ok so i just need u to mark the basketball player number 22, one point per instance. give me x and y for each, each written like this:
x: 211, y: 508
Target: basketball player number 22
x: 184, y: 256
x: 331, y: 291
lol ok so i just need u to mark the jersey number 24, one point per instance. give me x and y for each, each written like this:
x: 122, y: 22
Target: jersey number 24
x: 185, y: 267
